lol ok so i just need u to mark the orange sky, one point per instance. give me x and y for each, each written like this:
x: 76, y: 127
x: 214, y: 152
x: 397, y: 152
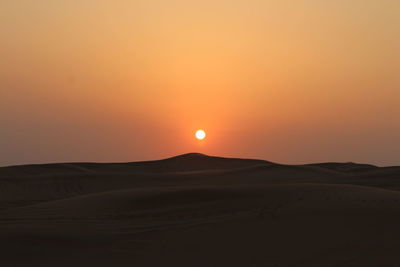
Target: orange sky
x: 287, y: 81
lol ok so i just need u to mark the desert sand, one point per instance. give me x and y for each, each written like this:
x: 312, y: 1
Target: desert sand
x: 197, y: 210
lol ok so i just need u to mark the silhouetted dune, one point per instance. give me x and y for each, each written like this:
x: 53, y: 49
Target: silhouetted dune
x: 345, y: 167
x: 197, y: 210
x: 185, y: 162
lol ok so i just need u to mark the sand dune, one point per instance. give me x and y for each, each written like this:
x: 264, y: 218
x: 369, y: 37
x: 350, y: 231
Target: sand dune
x: 196, y: 210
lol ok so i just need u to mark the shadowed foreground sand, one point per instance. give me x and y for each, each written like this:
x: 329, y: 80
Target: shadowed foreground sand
x: 196, y: 210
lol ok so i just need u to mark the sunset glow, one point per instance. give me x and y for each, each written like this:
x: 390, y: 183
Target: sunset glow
x: 131, y: 80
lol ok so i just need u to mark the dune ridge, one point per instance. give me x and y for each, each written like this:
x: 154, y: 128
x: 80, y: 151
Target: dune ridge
x: 198, y: 210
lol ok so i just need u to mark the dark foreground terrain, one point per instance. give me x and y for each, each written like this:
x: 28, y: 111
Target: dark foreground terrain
x: 196, y: 210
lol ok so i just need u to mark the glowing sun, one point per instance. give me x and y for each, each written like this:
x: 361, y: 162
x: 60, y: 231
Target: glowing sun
x: 200, y: 134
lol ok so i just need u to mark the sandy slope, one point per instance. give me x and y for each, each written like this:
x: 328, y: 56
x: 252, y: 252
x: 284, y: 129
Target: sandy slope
x: 195, y: 210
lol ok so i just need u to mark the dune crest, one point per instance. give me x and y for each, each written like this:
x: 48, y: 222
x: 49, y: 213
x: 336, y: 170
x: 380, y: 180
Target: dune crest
x: 198, y: 210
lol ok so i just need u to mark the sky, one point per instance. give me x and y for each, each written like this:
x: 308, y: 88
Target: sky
x: 293, y: 82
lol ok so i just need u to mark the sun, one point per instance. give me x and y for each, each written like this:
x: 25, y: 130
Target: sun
x: 200, y: 134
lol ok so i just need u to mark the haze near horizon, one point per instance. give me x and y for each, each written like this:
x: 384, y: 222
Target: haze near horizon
x: 299, y: 82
